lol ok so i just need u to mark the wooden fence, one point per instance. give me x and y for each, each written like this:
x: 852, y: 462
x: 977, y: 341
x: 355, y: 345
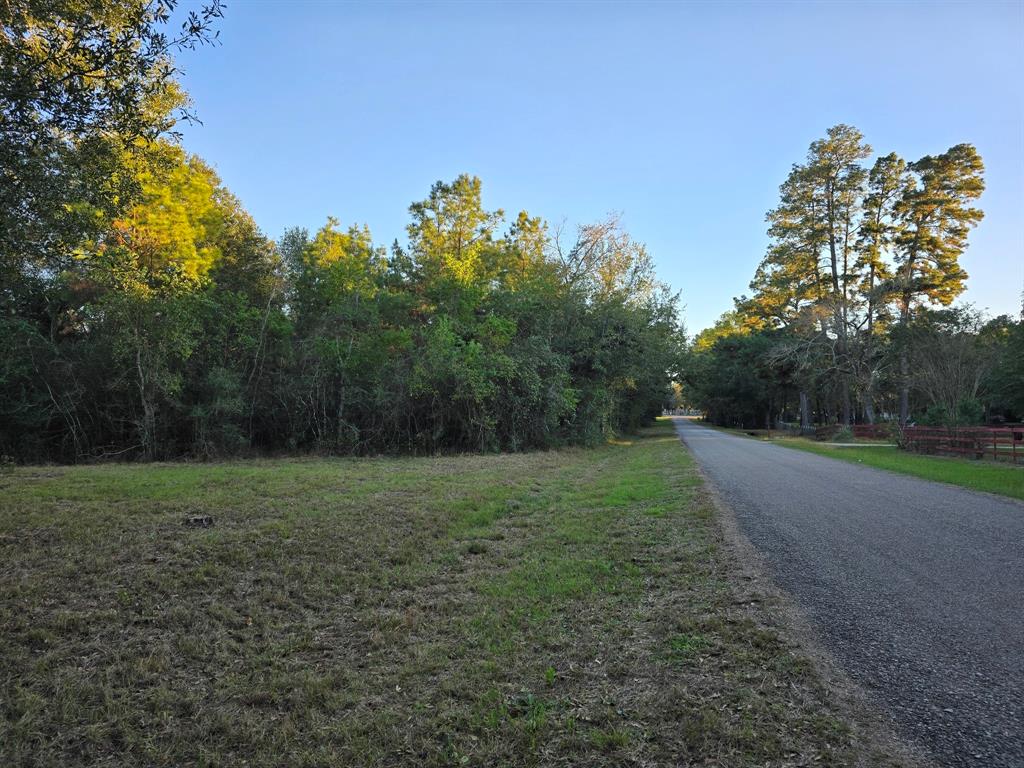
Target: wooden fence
x: 872, y: 431
x: 999, y: 443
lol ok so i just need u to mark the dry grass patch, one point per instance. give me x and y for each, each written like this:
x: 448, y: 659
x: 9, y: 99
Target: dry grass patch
x: 564, y: 608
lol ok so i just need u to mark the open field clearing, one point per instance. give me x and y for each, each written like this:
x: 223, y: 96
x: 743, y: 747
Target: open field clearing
x: 572, y: 607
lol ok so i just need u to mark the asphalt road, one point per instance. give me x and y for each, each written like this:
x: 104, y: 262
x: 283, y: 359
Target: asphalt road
x: 916, y: 588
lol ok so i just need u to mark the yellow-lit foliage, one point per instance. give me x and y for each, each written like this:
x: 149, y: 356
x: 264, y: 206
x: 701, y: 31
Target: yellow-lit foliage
x: 175, y: 226
x: 729, y: 324
x: 525, y: 254
x: 451, y: 231
x: 344, y: 259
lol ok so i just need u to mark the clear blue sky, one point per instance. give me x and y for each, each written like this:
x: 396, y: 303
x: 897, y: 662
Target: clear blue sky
x: 684, y: 117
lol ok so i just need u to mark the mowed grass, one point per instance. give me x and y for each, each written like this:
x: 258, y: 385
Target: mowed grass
x: 978, y: 475
x: 564, y: 608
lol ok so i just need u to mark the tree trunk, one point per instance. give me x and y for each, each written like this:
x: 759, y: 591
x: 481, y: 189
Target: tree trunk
x: 805, y: 411
x: 869, y: 405
x: 904, y: 355
x: 847, y: 405
x: 904, y: 388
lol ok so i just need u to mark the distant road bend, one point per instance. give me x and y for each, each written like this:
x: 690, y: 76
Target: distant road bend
x: 917, y: 588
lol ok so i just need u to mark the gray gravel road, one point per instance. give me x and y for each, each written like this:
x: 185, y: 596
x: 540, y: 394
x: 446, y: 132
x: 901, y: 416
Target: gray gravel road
x: 916, y: 588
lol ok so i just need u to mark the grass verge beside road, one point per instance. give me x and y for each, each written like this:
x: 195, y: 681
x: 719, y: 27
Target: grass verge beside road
x: 575, y: 607
x: 977, y: 475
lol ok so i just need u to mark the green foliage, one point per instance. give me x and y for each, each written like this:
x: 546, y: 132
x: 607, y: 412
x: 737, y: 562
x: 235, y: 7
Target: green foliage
x: 1006, y: 381
x: 85, y: 88
x: 451, y: 232
x: 187, y: 332
x: 936, y: 215
x: 968, y: 413
x: 844, y: 435
x: 145, y: 315
x: 737, y: 381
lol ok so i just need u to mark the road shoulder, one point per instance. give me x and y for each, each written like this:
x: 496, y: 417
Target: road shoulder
x: 872, y: 733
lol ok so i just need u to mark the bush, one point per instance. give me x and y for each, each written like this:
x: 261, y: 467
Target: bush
x: 844, y: 435
x: 968, y: 413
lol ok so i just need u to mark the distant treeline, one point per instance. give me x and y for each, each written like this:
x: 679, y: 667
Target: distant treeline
x: 144, y: 315
x: 849, y: 318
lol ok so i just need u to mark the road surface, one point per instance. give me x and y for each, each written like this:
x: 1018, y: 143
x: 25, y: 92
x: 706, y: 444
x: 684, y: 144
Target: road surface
x: 916, y: 588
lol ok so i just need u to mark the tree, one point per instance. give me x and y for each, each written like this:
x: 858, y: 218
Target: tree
x: 935, y: 217
x: 158, y: 304
x: 836, y: 177
x: 1005, y: 384
x: 809, y: 279
x: 738, y: 380
x: 953, y: 353
x: 850, y: 249
x: 84, y: 87
x: 178, y: 328
x: 174, y: 229
x: 878, y: 232
x: 526, y: 251
x: 450, y: 232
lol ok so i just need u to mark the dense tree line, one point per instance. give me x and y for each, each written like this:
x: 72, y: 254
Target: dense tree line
x: 850, y: 315
x: 144, y: 314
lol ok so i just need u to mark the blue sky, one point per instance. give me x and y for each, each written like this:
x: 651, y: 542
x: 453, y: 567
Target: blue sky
x: 683, y: 117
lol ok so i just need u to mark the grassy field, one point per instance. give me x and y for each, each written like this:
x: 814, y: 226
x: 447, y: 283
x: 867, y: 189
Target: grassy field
x: 565, y: 608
